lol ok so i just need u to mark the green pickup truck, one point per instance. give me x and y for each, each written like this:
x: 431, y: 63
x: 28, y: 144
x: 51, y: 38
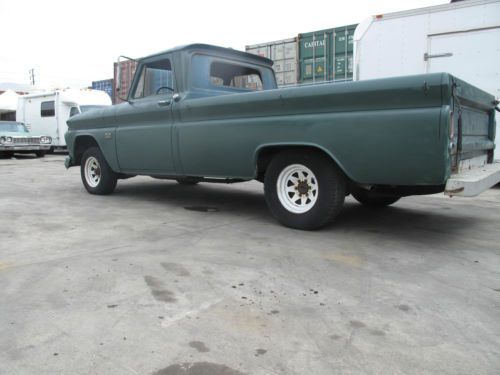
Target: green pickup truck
x: 202, y: 113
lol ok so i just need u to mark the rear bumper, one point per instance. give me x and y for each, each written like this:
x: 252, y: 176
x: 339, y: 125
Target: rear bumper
x: 473, y: 182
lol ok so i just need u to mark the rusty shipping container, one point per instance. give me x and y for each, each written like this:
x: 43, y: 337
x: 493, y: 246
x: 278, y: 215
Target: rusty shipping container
x: 127, y: 70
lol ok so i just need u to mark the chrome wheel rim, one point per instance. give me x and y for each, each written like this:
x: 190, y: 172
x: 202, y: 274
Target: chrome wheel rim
x: 92, y: 171
x: 297, y: 188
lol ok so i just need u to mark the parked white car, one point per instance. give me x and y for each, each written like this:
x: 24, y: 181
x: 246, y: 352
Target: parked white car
x: 16, y: 138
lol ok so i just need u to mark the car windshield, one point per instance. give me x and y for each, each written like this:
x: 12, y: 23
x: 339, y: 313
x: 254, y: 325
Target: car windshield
x: 13, y: 127
x: 85, y: 108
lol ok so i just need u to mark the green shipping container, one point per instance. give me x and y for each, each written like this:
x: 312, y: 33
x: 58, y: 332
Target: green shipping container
x: 326, y: 55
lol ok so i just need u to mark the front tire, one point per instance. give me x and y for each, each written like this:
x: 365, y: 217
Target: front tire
x: 304, y: 190
x: 40, y: 154
x: 97, y: 176
x: 373, y: 199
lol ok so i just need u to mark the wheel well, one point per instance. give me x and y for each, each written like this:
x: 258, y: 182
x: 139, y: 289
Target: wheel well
x: 266, y: 154
x: 83, y: 143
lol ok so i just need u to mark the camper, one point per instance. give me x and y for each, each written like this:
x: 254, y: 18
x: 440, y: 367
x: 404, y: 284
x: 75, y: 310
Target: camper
x: 461, y: 38
x: 47, y: 112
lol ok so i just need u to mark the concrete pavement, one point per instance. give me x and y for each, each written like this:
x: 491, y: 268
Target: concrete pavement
x: 165, y: 279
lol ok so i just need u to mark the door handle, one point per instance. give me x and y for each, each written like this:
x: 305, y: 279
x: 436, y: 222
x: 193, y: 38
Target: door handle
x: 164, y: 103
x: 428, y: 56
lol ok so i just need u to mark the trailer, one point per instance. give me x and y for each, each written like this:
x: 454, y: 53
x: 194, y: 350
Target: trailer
x: 461, y: 38
x: 46, y: 113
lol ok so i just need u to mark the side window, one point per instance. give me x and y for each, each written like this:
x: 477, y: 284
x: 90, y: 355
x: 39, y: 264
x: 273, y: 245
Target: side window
x: 235, y: 76
x: 155, y: 78
x: 73, y: 111
x: 47, y: 109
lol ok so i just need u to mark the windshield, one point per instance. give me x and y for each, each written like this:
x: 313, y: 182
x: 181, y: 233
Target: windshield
x: 86, y: 108
x: 13, y: 127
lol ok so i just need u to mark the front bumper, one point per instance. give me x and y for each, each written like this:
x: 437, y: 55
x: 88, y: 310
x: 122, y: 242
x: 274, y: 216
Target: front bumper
x: 24, y: 147
x: 473, y: 182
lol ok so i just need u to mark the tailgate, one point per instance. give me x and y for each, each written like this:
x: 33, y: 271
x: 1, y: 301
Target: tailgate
x: 472, y: 127
x: 472, y: 135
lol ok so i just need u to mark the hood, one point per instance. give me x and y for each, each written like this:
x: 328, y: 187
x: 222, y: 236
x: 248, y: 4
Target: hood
x: 96, y: 118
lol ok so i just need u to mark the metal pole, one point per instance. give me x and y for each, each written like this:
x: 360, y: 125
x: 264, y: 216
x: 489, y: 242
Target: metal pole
x: 32, y: 76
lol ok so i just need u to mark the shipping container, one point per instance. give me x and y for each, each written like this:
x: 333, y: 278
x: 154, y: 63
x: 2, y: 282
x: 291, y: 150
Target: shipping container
x: 285, y: 58
x: 127, y: 71
x: 326, y: 55
x: 105, y: 85
x: 262, y: 50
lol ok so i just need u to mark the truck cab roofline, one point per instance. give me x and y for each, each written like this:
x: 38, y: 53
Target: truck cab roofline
x: 201, y: 47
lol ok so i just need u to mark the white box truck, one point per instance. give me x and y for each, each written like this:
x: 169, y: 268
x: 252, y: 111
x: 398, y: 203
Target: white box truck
x: 47, y: 112
x: 461, y: 38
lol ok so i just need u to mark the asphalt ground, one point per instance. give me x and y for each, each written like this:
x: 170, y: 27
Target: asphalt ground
x: 160, y: 278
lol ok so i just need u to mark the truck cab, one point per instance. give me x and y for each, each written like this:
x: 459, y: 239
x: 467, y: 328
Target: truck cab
x: 208, y: 71
x: 170, y: 80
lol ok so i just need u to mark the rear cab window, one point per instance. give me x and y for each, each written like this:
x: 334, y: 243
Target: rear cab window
x: 214, y: 75
x: 235, y: 76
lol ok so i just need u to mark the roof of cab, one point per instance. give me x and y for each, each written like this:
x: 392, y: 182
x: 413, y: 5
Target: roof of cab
x: 211, y: 48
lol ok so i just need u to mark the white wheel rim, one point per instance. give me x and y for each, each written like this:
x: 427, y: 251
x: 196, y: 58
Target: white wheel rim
x: 297, y: 188
x: 92, y: 171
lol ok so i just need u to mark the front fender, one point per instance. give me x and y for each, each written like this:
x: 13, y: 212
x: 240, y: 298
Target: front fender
x: 105, y: 138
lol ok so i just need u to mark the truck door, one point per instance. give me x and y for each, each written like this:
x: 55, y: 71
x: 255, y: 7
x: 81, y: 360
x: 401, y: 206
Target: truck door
x: 144, y: 124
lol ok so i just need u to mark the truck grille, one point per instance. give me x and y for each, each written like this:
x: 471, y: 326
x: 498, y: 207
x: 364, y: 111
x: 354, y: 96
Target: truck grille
x: 27, y: 140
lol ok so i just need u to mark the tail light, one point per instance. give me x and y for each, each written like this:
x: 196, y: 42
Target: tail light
x: 452, y: 126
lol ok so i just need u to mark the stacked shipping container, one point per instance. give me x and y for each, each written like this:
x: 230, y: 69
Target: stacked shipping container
x: 284, y: 55
x: 318, y: 56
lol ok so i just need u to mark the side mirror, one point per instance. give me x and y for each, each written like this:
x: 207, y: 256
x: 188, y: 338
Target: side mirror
x: 125, y: 69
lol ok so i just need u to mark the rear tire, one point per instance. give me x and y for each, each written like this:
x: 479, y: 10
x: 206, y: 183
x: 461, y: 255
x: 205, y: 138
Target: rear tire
x: 373, y: 199
x: 304, y: 190
x: 97, y: 176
